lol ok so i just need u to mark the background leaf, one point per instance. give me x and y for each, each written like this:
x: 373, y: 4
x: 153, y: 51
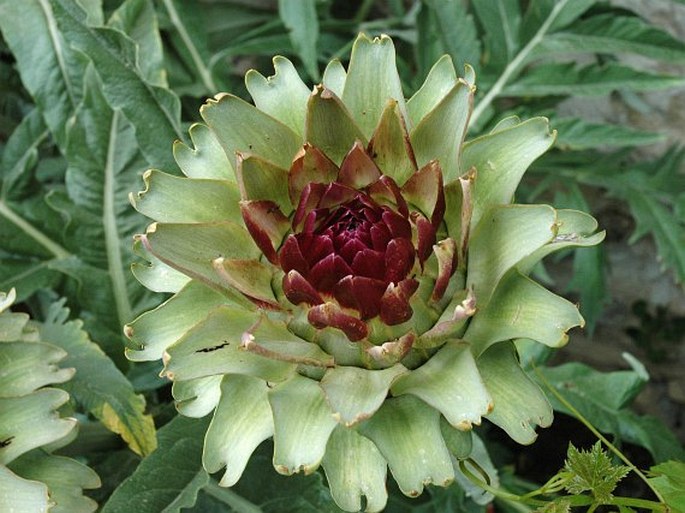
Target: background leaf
x: 299, y: 17
x: 611, y: 33
x: 578, y: 134
x: 50, y: 69
x: 104, y: 165
x: 501, y: 20
x: 153, y: 111
x: 592, y: 471
x: 98, y: 385
x: 457, y: 32
x: 602, y: 399
x: 26, y: 250
x: 591, y: 80
x: 137, y: 19
x: 171, y: 477
x: 189, y: 37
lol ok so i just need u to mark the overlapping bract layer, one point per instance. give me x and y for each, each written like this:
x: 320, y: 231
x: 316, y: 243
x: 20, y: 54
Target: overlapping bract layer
x: 348, y: 276
x: 31, y: 478
x: 353, y: 240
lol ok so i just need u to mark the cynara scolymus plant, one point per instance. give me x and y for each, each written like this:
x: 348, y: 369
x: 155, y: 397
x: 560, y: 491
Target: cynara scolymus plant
x: 349, y: 275
x: 31, y: 478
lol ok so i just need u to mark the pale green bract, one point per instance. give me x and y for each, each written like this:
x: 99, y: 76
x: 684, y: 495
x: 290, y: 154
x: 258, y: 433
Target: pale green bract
x: 402, y: 395
x: 32, y: 479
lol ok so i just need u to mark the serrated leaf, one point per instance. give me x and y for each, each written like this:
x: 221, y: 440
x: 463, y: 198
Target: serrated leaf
x: 372, y: 79
x: 668, y: 231
x: 601, y: 398
x: 592, y: 471
x: 554, y: 14
x: 50, y: 69
x: 153, y: 111
x: 561, y: 79
x: 161, y: 483
x: 457, y: 30
x: 104, y: 164
x: 578, y: 134
x: 98, y: 385
x: 206, y: 158
x: 500, y: 20
x: 612, y: 33
x: 268, y: 93
x: 137, y: 19
x: 653, y: 189
x: 256, y: 133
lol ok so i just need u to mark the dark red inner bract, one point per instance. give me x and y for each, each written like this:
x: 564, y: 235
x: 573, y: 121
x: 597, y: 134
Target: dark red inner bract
x: 352, y: 251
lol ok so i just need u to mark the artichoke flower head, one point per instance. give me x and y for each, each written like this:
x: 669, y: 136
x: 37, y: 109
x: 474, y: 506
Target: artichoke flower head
x: 349, y: 275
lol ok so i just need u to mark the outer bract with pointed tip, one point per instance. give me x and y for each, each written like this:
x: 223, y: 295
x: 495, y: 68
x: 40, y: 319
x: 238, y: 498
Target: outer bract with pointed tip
x: 349, y: 275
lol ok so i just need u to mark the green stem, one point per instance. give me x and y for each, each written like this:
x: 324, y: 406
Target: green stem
x: 109, y: 222
x: 638, y: 503
x: 226, y: 495
x: 574, y: 500
x: 599, y: 435
x: 515, y: 65
x: 363, y: 10
x: 517, y: 505
x: 57, y: 45
x: 203, y: 70
x: 497, y: 492
x: 555, y: 484
x: 586, y: 500
x: 42, y: 239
